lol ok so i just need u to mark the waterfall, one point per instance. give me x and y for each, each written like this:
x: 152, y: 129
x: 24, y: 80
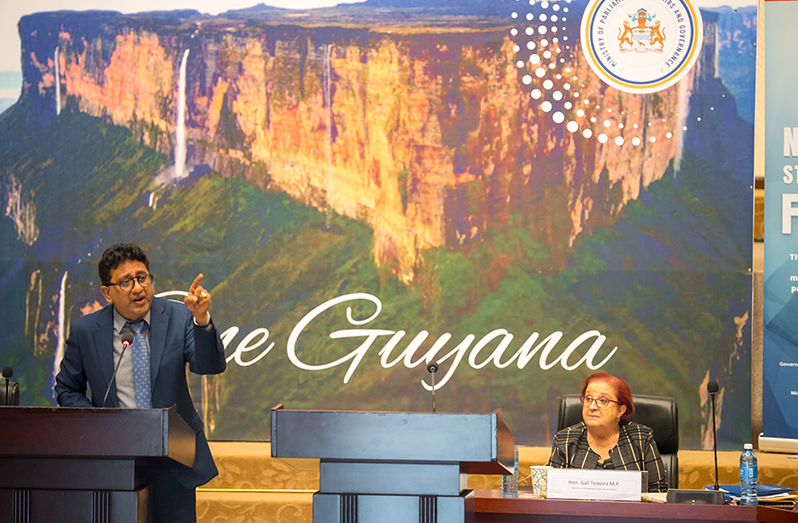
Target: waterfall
x: 327, y: 77
x: 717, y: 53
x: 20, y: 209
x: 57, y: 83
x: 60, y: 328
x: 327, y: 86
x: 180, y: 139
x: 683, y: 108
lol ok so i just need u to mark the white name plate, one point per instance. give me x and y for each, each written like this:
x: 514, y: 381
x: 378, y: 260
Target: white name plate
x: 619, y: 485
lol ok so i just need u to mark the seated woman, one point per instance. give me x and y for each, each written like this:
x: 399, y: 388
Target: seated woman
x: 605, y: 438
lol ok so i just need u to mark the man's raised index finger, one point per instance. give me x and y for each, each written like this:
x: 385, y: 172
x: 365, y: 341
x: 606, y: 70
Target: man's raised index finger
x: 196, y: 283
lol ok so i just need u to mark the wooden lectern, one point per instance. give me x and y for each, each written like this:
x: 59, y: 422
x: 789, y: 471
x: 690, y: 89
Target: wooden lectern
x: 386, y: 467
x: 70, y: 465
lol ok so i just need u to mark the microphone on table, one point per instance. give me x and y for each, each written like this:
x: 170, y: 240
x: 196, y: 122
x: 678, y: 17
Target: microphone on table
x: 127, y: 338
x: 7, y: 373
x: 694, y: 497
x: 712, y: 388
x: 433, y: 368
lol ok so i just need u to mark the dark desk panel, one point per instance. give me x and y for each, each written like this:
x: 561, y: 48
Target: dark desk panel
x: 71, y: 465
x: 490, y: 507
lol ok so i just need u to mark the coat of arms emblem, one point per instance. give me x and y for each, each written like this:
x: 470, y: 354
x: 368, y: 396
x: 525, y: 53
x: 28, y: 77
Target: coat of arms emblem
x: 642, y: 37
x: 641, y: 46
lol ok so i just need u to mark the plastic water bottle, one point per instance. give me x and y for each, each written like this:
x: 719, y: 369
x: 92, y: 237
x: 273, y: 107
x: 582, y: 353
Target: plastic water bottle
x: 748, y: 476
x: 510, y: 483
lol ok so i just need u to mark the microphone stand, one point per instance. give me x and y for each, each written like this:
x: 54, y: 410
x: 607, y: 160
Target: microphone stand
x: 127, y: 336
x: 712, y: 387
x: 116, y: 369
x: 113, y: 376
x: 433, y: 368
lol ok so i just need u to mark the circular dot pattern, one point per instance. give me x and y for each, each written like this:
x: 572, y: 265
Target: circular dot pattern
x: 545, y: 60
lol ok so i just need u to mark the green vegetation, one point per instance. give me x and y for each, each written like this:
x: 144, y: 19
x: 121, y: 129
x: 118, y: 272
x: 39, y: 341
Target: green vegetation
x: 651, y: 284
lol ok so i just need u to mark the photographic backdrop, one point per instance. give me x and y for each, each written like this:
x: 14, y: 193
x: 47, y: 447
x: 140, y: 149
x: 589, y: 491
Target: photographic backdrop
x: 369, y: 188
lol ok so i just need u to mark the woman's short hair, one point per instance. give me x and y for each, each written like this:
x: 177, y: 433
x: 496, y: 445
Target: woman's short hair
x: 622, y: 390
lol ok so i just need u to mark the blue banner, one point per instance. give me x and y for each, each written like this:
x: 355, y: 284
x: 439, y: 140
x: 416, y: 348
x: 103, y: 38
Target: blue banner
x: 780, y: 350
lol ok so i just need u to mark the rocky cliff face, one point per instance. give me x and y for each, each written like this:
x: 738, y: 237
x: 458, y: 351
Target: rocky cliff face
x: 430, y: 138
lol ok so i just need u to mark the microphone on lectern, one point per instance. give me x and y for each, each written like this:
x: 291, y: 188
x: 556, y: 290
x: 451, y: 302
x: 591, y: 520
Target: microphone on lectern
x: 432, y: 368
x: 712, y: 388
x: 127, y: 336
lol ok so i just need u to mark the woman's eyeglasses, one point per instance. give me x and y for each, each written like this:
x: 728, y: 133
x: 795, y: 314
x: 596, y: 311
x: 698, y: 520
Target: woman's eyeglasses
x: 602, y: 403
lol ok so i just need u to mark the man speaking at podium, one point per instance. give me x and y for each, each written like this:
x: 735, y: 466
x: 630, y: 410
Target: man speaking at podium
x: 165, y: 336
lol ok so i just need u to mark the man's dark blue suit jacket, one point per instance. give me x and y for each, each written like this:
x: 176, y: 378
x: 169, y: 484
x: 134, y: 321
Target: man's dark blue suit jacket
x: 174, y: 340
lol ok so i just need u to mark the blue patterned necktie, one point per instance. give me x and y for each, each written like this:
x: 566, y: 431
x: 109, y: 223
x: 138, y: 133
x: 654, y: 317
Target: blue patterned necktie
x: 141, y: 366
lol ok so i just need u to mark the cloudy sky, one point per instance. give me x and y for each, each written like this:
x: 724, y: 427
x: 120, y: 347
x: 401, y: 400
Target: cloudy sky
x: 14, y: 9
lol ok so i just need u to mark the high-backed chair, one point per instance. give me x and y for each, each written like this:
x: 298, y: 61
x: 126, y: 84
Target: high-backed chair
x: 13, y: 393
x: 660, y: 413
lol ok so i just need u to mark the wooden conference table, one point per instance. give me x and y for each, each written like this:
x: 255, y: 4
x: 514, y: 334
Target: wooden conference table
x: 489, y: 506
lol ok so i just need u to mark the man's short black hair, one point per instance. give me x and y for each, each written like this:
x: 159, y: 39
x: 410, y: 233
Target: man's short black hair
x: 115, y: 256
